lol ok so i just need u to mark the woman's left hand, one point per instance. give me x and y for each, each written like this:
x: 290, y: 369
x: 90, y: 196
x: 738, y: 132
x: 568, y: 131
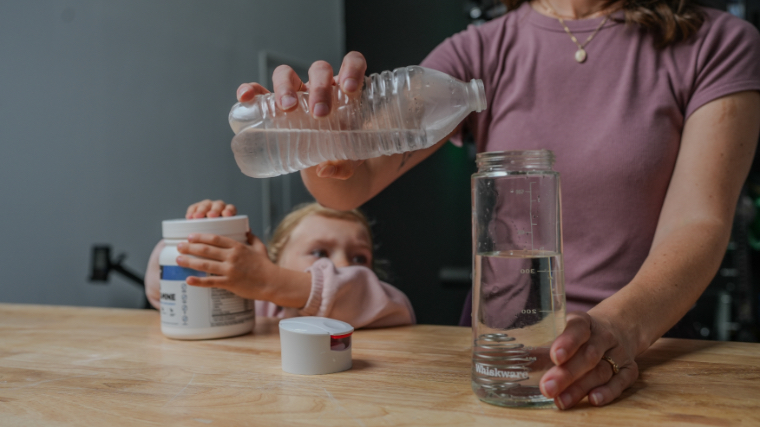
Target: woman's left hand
x: 581, y: 370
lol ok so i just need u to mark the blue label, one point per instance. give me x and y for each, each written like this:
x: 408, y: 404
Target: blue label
x: 175, y: 272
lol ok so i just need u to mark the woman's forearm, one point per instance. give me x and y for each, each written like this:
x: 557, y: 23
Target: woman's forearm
x: 368, y: 179
x: 340, y: 194
x: 668, y: 284
x: 717, y: 148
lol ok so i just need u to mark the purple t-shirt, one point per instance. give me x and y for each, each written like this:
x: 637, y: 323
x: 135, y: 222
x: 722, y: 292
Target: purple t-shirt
x: 614, y: 122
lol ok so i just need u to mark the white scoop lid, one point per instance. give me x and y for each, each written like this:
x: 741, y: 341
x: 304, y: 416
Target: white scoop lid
x: 316, y: 326
x: 315, y: 345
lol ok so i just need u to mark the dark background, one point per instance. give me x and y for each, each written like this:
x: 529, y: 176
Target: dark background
x: 422, y: 221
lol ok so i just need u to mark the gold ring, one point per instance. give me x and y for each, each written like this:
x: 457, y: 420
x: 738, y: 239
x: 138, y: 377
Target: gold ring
x: 615, y: 367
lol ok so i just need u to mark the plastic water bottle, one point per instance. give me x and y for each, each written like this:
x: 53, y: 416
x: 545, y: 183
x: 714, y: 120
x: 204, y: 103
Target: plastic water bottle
x: 402, y: 110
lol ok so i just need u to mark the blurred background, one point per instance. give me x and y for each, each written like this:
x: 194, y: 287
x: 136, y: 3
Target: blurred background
x: 113, y: 117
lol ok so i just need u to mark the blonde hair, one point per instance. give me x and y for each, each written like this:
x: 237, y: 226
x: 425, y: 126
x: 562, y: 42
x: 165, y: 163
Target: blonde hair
x: 281, y: 234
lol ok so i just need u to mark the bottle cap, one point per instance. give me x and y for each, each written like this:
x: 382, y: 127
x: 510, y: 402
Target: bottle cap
x: 315, y: 345
x: 223, y: 226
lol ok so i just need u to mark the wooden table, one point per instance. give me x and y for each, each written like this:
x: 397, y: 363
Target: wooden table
x: 72, y: 366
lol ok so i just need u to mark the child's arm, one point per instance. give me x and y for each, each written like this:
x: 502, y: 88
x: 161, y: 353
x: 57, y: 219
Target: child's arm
x: 241, y: 269
x: 244, y: 270
x: 153, y: 277
x: 355, y: 295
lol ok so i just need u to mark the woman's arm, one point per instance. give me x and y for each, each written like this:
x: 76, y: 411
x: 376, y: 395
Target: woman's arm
x: 717, y: 149
x: 349, y: 184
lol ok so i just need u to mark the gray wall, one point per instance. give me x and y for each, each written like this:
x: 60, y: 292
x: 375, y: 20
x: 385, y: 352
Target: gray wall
x: 113, y: 117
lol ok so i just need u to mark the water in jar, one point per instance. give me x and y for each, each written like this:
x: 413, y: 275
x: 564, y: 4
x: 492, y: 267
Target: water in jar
x: 520, y: 311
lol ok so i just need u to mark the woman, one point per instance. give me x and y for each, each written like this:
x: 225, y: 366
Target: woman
x: 653, y: 111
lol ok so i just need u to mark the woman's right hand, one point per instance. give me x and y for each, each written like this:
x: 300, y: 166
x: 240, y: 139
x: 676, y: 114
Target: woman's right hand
x: 210, y: 209
x: 286, y: 83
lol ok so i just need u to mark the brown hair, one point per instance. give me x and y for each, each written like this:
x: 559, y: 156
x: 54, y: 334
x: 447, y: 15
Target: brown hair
x: 668, y: 21
x: 281, y: 234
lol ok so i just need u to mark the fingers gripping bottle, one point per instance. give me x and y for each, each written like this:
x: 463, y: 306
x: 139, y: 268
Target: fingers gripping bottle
x: 402, y: 110
x: 518, y: 294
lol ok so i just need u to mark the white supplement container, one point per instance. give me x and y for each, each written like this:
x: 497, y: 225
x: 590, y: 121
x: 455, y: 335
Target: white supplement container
x: 193, y: 312
x: 315, y: 345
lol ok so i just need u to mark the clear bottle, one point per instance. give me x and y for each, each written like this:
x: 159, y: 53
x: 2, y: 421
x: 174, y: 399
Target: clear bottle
x: 402, y: 110
x: 518, y: 295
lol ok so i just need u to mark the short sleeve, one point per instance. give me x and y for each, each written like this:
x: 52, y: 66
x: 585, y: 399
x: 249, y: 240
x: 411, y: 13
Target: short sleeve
x: 459, y: 56
x: 728, y: 60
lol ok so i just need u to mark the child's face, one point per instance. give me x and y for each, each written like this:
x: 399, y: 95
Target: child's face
x: 344, y: 242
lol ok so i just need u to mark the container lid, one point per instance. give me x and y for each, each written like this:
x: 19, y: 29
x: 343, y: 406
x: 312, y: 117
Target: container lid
x: 312, y: 325
x: 181, y: 228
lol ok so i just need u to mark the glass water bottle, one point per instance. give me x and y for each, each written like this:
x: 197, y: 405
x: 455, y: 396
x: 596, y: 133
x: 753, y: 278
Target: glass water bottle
x: 518, y: 294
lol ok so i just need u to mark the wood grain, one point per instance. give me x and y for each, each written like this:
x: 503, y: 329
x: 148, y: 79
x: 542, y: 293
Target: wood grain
x: 73, y: 366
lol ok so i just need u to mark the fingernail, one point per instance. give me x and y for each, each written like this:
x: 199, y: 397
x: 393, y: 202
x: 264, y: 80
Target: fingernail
x: 560, y: 355
x: 326, y: 171
x: 321, y: 110
x: 564, y: 400
x: 180, y: 259
x: 350, y: 85
x: 550, y: 388
x: 596, y: 398
x: 243, y: 93
x: 288, y: 101
x: 191, y: 237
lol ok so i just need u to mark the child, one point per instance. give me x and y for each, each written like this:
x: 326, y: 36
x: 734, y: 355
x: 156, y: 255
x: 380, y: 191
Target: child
x: 319, y: 263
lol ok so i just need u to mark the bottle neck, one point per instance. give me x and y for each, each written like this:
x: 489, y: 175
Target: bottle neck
x: 476, y: 93
x: 510, y: 161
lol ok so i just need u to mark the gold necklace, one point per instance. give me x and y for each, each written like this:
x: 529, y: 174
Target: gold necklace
x: 580, y: 54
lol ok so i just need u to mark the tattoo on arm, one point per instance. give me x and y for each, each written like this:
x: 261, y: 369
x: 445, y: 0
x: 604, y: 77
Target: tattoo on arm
x: 405, y: 158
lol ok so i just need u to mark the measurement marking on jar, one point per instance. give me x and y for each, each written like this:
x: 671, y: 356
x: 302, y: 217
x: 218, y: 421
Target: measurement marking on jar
x: 530, y: 212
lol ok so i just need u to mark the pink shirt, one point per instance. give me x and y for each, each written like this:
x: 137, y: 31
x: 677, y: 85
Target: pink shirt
x: 352, y: 294
x: 614, y: 122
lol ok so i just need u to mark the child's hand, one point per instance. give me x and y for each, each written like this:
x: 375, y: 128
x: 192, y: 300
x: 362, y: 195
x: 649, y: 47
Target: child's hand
x: 210, y: 209
x: 237, y: 267
x: 244, y: 270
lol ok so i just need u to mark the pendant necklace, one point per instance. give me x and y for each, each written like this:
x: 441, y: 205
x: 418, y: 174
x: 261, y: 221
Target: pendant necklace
x: 580, y: 54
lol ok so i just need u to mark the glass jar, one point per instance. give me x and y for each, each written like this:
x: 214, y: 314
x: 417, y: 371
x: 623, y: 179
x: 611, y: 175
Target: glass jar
x: 518, y: 294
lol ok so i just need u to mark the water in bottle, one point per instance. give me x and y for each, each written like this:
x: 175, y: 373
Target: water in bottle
x: 402, y: 110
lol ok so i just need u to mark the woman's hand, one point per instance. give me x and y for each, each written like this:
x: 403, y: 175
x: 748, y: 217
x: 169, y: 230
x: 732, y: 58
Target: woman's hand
x: 581, y: 370
x: 286, y: 83
x: 210, y: 209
